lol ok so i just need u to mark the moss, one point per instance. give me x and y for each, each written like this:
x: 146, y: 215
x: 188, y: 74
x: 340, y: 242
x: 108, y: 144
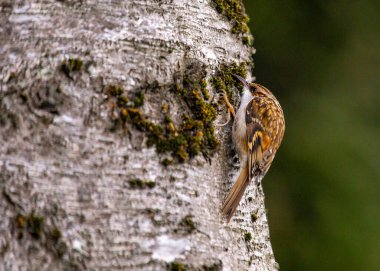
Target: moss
x: 203, y: 84
x: 50, y: 237
x: 182, y: 154
x: 150, y: 184
x: 212, y: 141
x: 135, y: 116
x: 141, y: 184
x: 224, y: 81
x: 194, y: 135
x: 199, y: 130
x: 202, y: 110
x: 247, y: 41
x: 114, y: 90
x: 167, y: 162
x: 188, y: 224
x: 218, y: 266
x: 136, y: 183
x: 204, y: 90
x: 233, y: 10
x: 165, y: 108
x: 34, y: 225
x: 174, y: 143
x: 247, y: 237
x: 253, y: 217
x: 139, y: 99
x: 176, y: 266
x: 70, y: 66
x: 55, y: 235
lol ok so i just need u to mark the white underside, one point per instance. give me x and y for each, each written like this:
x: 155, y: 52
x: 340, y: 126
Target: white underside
x: 239, y: 129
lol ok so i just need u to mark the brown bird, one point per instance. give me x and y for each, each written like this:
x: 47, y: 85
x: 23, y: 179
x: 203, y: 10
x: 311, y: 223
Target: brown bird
x: 257, y: 133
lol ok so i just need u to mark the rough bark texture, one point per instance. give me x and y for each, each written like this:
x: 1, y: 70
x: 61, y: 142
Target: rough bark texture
x: 67, y: 201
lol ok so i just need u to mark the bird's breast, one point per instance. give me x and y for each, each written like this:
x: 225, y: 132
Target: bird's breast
x: 239, y: 129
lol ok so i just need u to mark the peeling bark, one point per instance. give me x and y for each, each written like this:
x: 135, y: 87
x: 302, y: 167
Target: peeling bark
x: 67, y: 198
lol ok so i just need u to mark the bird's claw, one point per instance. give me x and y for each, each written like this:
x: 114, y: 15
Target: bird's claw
x: 227, y: 121
x: 230, y: 108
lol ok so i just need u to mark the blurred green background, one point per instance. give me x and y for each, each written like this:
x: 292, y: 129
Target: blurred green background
x: 322, y: 61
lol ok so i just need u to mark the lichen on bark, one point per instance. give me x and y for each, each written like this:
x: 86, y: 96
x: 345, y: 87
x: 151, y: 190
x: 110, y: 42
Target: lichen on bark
x: 194, y: 134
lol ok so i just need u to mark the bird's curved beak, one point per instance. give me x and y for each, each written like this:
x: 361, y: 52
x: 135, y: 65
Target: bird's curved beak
x: 242, y: 80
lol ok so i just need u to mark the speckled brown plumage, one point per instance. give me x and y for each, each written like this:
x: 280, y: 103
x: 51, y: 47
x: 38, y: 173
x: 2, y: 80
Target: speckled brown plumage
x: 257, y: 134
x: 265, y: 128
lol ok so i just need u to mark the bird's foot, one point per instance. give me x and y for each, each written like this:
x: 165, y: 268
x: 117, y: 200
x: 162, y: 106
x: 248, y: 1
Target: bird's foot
x: 230, y: 108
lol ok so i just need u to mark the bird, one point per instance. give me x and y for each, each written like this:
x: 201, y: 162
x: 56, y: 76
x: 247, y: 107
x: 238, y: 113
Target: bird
x: 257, y: 132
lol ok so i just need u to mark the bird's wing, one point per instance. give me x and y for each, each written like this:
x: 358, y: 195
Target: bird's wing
x: 256, y: 137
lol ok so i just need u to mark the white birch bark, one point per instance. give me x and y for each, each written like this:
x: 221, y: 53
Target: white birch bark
x: 59, y: 159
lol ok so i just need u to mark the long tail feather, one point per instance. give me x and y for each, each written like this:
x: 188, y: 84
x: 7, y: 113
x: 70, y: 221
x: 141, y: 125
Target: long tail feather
x: 234, y: 196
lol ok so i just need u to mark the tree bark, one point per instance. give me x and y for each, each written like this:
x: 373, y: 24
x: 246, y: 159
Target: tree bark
x: 79, y: 195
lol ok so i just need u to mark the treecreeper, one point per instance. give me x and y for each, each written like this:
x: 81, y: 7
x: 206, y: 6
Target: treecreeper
x: 258, y: 129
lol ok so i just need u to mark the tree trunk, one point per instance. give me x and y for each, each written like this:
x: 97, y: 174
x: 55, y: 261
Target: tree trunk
x: 81, y: 188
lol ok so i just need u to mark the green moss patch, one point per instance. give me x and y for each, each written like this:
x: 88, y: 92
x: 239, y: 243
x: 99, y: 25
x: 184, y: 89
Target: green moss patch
x: 194, y: 135
x: 141, y: 184
x: 224, y: 81
x: 204, y: 90
x: 188, y: 224
x: 176, y: 266
x: 247, y: 237
x: 70, y: 66
x: 233, y: 10
x: 253, y: 217
x: 167, y: 162
x: 34, y: 225
x: 217, y: 266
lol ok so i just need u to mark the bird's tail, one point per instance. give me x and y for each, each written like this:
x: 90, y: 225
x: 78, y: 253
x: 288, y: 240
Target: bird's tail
x: 236, y: 193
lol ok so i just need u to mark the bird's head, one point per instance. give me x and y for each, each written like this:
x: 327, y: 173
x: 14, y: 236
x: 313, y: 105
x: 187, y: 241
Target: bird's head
x: 254, y: 88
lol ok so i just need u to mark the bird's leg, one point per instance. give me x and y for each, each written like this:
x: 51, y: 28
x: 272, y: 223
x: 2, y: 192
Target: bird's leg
x: 229, y: 105
x: 230, y: 109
